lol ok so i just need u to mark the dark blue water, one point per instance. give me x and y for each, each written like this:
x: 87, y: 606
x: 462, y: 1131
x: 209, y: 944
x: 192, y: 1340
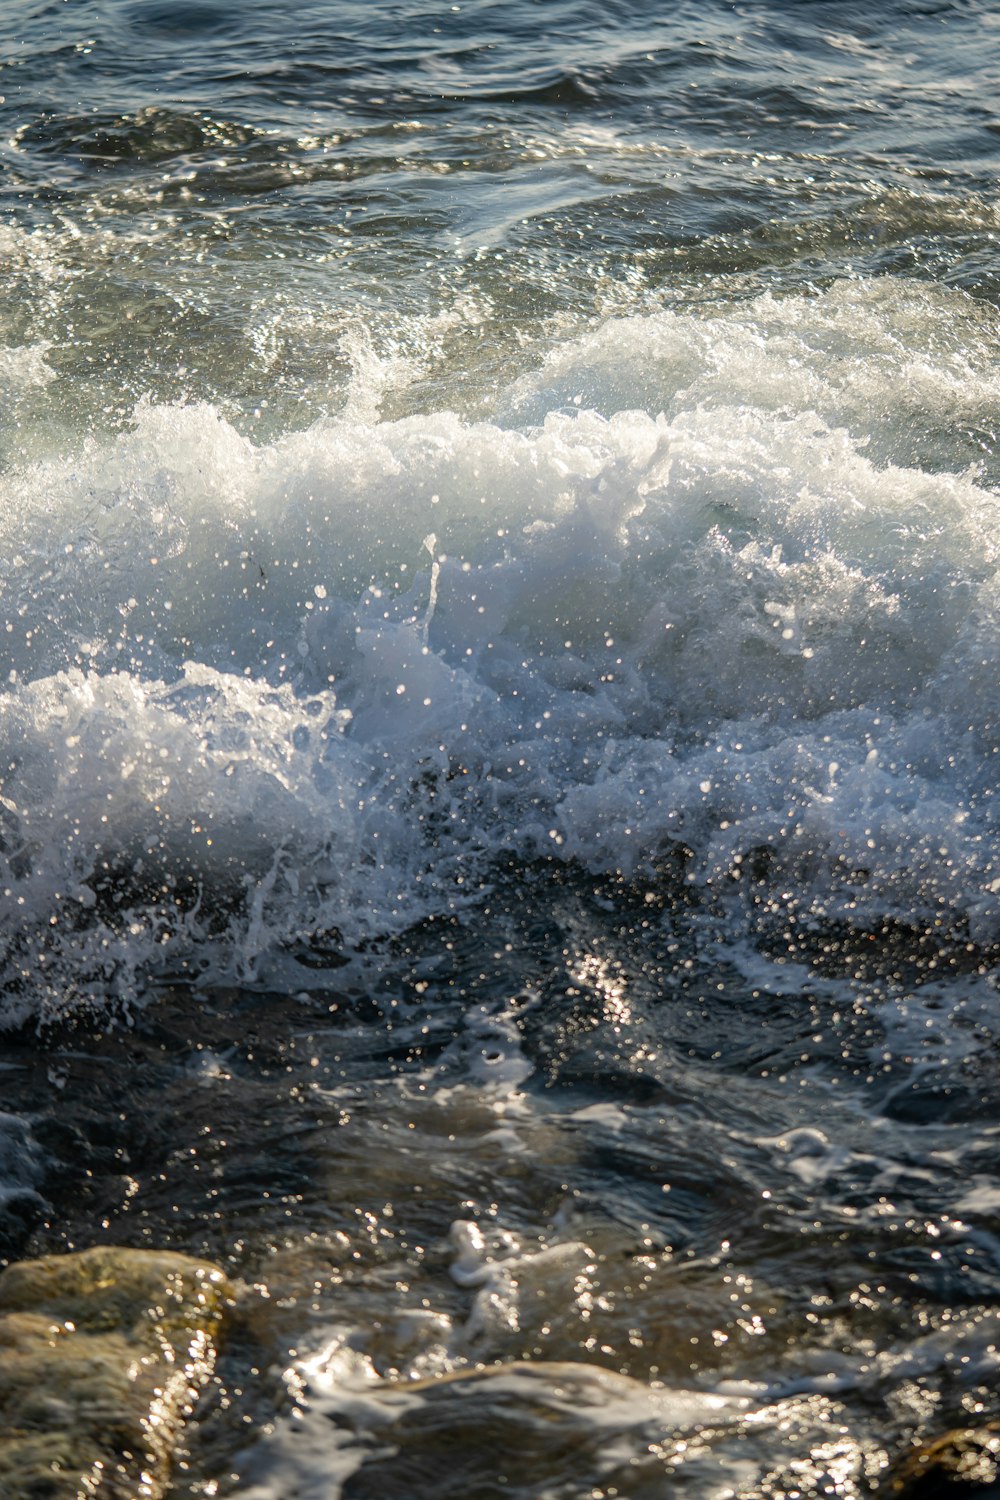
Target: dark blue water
x: 500, y: 604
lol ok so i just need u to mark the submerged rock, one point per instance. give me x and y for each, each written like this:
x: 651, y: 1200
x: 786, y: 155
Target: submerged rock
x: 517, y: 1429
x: 101, y: 1355
x: 965, y: 1462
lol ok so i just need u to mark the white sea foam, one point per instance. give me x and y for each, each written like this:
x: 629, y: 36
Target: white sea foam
x: 727, y: 579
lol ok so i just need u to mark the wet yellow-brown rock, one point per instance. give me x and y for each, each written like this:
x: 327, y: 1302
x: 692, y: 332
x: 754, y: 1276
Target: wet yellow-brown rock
x: 964, y: 1462
x: 101, y: 1355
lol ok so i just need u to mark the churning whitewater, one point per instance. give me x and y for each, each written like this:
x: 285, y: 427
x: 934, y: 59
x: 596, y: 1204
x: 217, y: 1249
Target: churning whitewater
x: 722, y: 581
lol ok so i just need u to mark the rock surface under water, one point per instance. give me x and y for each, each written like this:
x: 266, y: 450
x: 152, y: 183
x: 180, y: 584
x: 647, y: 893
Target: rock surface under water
x: 965, y: 1462
x: 101, y: 1353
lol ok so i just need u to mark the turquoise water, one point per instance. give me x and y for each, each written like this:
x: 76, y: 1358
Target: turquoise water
x: 499, y: 596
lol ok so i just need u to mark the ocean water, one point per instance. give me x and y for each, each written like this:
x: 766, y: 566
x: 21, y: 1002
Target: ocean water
x: 500, y: 607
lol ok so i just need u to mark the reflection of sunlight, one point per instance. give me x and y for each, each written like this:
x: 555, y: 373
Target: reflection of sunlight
x: 596, y: 973
x: 835, y: 1464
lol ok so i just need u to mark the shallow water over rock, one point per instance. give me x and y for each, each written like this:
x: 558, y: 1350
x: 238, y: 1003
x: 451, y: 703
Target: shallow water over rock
x: 547, y: 1145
